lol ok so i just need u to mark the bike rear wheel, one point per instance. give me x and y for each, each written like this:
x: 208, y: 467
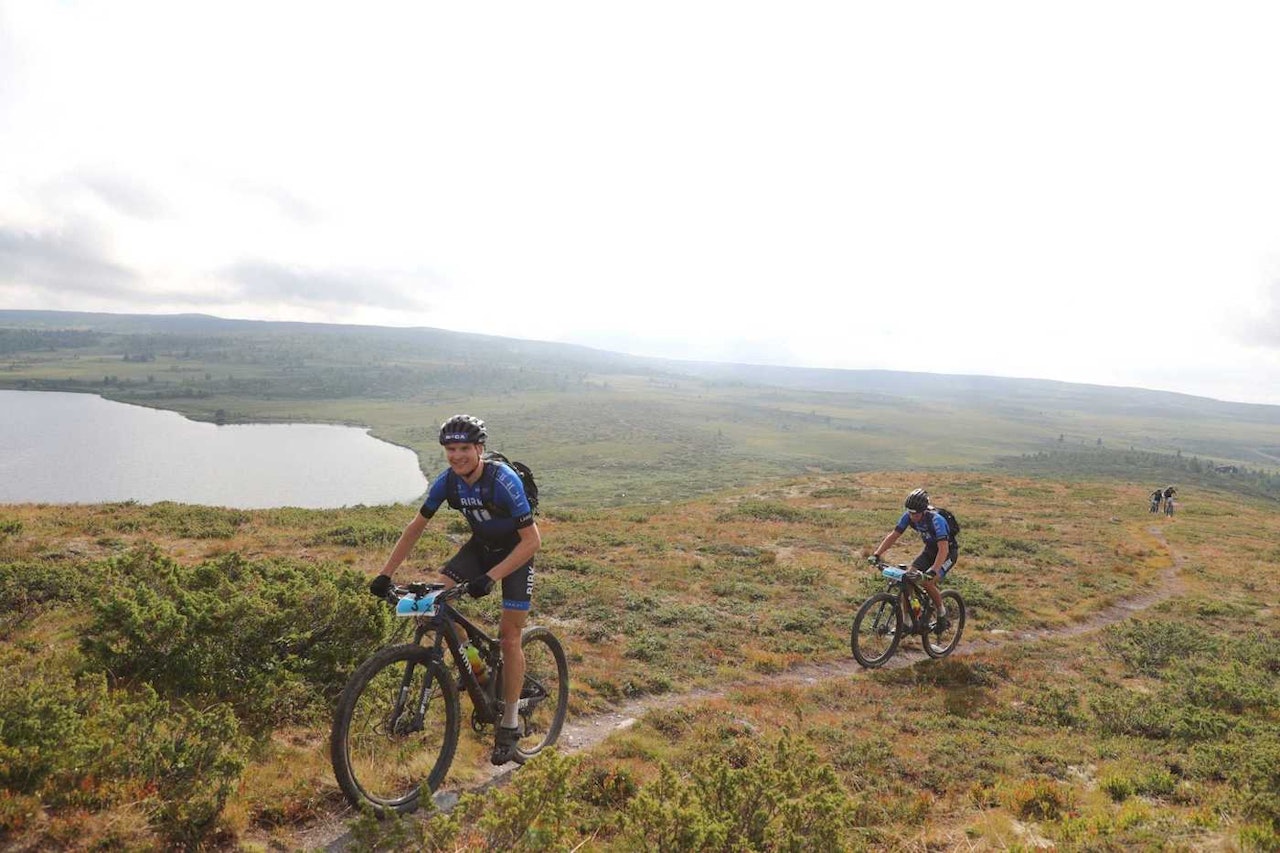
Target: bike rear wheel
x: 544, y: 699
x: 395, y: 729
x: 940, y: 643
x: 877, y: 630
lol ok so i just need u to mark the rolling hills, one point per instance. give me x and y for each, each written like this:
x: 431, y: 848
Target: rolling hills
x: 607, y: 428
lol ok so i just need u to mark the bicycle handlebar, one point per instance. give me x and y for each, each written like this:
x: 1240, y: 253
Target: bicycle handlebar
x: 395, y: 593
x: 908, y: 573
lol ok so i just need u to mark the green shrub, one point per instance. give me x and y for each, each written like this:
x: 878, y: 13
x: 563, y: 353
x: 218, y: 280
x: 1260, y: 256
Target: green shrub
x: 1264, y: 839
x: 193, y: 521
x: 276, y: 640
x: 29, y: 588
x: 75, y: 744
x: 1121, y: 712
x: 1148, y: 647
x: 766, y: 511
x: 10, y: 527
x: 785, y: 798
x: 1056, y: 706
x: 535, y: 812
x: 360, y: 535
x: 1250, y: 767
x: 607, y: 787
x: 1040, y: 799
x: 1233, y: 688
x: 1118, y: 787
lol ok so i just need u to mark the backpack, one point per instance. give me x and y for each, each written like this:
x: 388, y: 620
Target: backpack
x: 521, y: 469
x: 952, y: 525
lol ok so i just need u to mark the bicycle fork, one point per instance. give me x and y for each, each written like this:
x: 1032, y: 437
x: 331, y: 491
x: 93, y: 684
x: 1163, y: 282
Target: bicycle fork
x: 396, y: 724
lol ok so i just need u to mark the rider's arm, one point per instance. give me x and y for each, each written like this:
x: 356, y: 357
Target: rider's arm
x: 409, y: 538
x: 887, y: 543
x: 944, y: 548
x: 530, y: 542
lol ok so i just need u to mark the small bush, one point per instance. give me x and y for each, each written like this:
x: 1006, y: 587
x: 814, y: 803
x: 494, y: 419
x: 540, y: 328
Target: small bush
x: 1040, y: 799
x: 1057, y: 706
x: 360, y: 536
x: 785, y: 798
x: 1148, y: 647
x: 1119, y: 712
x: 10, y: 527
x: 74, y: 744
x: 610, y: 788
x: 192, y: 521
x: 766, y: 511
x: 275, y: 640
x: 1118, y: 788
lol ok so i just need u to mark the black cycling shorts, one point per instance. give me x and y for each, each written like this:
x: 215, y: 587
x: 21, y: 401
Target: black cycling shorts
x: 924, y: 562
x: 476, y: 557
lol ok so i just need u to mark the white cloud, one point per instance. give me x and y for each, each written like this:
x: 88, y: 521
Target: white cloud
x: 1002, y: 188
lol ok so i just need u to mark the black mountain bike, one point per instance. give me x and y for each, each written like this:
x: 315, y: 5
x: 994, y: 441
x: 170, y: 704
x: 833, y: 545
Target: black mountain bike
x: 904, y: 608
x: 398, y: 720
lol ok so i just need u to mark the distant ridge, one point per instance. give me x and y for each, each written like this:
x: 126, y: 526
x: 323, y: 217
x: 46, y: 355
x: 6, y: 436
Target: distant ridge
x: 949, y: 388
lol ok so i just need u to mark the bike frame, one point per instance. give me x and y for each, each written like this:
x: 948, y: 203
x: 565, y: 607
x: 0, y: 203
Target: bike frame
x: 903, y: 587
x: 446, y: 629
x: 445, y: 624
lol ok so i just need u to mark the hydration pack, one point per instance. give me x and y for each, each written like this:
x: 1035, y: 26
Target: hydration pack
x: 522, y: 471
x: 953, y: 526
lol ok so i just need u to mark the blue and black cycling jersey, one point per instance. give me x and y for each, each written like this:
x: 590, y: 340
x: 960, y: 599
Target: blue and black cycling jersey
x: 932, y: 527
x: 495, y: 505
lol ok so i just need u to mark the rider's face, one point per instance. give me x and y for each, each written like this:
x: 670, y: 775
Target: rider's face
x: 462, y: 457
x: 915, y: 514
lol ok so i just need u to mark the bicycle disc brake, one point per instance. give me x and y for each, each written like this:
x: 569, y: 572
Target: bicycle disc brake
x: 477, y: 723
x: 405, y: 724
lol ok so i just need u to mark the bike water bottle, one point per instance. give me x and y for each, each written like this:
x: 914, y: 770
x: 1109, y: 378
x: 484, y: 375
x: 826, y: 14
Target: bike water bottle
x: 476, y: 663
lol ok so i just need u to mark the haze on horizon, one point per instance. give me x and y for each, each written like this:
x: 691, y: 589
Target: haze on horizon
x: 1083, y: 193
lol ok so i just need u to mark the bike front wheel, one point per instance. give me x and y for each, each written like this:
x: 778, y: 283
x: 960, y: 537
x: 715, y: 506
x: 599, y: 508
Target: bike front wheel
x: 544, y: 699
x: 877, y: 630
x: 395, y: 729
x: 940, y: 642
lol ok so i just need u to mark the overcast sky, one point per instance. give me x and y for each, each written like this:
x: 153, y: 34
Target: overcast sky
x: 1082, y: 191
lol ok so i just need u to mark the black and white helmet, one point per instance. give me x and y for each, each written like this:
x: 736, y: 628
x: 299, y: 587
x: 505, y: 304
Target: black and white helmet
x: 917, y: 501
x: 463, y: 428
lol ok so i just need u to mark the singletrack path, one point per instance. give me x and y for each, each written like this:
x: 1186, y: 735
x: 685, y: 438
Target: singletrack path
x: 584, y: 733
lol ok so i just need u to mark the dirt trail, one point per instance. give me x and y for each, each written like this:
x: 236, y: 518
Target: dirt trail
x: 587, y: 732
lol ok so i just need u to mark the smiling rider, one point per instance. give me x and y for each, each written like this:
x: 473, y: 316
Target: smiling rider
x: 503, y: 540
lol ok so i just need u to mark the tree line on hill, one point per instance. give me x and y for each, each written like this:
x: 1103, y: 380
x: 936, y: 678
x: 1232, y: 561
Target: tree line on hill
x: 1159, y: 468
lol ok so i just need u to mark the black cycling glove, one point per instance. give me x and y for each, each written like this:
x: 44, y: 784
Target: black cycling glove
x: 479, y: 587
x: 380, y: 586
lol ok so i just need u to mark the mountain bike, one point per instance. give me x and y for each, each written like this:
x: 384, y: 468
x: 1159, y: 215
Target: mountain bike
x: 904, y: 608
x: 398, y: 720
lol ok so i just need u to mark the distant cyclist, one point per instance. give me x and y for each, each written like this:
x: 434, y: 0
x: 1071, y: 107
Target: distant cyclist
x: 1157, y: 497
x: 503, y: 540
x: 1169, y: 492
x: 940, y: 548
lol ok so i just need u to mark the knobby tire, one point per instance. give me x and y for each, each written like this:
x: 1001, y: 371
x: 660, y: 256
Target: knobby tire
x: 877, y: 630
x: 383, y: 753
x: 546, y: 692
x: 939, y: 645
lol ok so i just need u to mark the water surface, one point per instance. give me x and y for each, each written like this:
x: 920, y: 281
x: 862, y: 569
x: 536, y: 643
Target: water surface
x: 79, y: 448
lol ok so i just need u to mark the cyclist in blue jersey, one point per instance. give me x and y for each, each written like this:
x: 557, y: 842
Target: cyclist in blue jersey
x: 503, y: 540
x: 940, y: 549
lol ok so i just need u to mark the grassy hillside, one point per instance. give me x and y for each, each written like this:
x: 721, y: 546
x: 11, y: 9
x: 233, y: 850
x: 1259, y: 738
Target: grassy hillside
x: 602, y: 428
x: 230, y: 632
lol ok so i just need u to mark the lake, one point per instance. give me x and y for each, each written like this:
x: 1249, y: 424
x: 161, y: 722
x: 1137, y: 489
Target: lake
x: 79, y: 448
